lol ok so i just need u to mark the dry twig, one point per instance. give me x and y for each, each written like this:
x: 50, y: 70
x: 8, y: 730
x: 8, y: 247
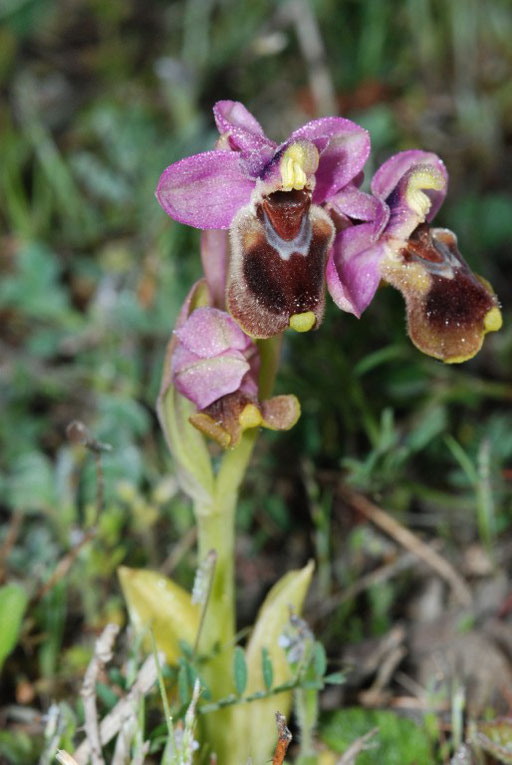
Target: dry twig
x: 64, y: 565
x: 375, y: 695
x: 79, y: 434
x: 357, y: 746
x: 123, y: 741
x: 283, y: 740
x: 64, y: 758
x: 102, y: 655
x: 410, y: 541
x: 383, y: 573
x: 123, y: 710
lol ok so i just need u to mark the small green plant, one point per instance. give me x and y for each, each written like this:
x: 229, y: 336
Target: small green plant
x: 283, y: 206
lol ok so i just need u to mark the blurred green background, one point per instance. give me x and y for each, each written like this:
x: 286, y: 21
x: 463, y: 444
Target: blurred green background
x: 97, y: 98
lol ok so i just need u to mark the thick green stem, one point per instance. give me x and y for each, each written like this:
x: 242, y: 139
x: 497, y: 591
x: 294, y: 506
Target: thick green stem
x: 216, y: 531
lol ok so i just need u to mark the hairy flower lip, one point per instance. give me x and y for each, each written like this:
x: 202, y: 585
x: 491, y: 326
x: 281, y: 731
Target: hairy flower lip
x: 270, y: 279
x: 449, y: 308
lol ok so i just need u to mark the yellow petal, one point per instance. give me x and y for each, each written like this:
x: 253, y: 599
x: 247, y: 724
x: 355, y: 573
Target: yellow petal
x: 250, y: 417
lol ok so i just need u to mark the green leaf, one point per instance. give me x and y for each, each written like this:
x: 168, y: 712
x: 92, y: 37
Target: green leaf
x: 256, y: 721
x: 399, y: 740
x: 32, y: 483
x: 157, y: 603
x: 37, y: 277
x: 187, y: 445
x: 13, y: 602
x: 184, y: 689
x: 334, y: 678
x: 266, y: 669
x: 18, y: 747
x: 239, y: 670
x: 319, y: 660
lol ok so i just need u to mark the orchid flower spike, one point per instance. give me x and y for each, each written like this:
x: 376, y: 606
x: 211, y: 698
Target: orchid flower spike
x: 269, y: 198
x: 449, y: 308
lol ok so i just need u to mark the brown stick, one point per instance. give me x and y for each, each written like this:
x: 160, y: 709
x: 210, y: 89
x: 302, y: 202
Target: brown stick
x: 283, y: 740
x: 410, y: 541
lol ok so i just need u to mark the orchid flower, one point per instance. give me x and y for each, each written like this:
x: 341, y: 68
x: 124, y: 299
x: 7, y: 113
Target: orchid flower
x: 449, y: 309
x: 215, y: 365
x: 269, y: 198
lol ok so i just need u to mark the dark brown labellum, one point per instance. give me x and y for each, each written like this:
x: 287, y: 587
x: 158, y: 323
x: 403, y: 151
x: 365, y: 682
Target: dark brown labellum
x: 286, y: 210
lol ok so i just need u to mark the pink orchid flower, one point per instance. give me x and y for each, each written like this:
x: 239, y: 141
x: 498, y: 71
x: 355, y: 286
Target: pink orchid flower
x: 269, y: 196
x: 449, y: 309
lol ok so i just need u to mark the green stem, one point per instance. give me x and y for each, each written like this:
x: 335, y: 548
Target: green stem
x: 216, y: 531
x: 306, y: 709
x: 216, y: 523
x: 270, y: 351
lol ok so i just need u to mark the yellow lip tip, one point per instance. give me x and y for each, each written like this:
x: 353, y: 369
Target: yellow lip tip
x: 493, y: 320
x: 302, y: 322
x: 460, y: 359
x: 250, y: 417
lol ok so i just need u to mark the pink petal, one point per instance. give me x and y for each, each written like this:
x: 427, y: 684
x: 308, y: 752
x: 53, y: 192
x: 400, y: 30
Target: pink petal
x: 199, y: 293
x: 244, y: 134
x: 393, y: 170
x: 381, y: 219
x: 355, y: 204
x: 214, y: 257
x: 205, y: 190
x: 209, y: 332
x: 233, y: 114
x: 353, y: 268
x: 344, y: 148
x: 203, y: 381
